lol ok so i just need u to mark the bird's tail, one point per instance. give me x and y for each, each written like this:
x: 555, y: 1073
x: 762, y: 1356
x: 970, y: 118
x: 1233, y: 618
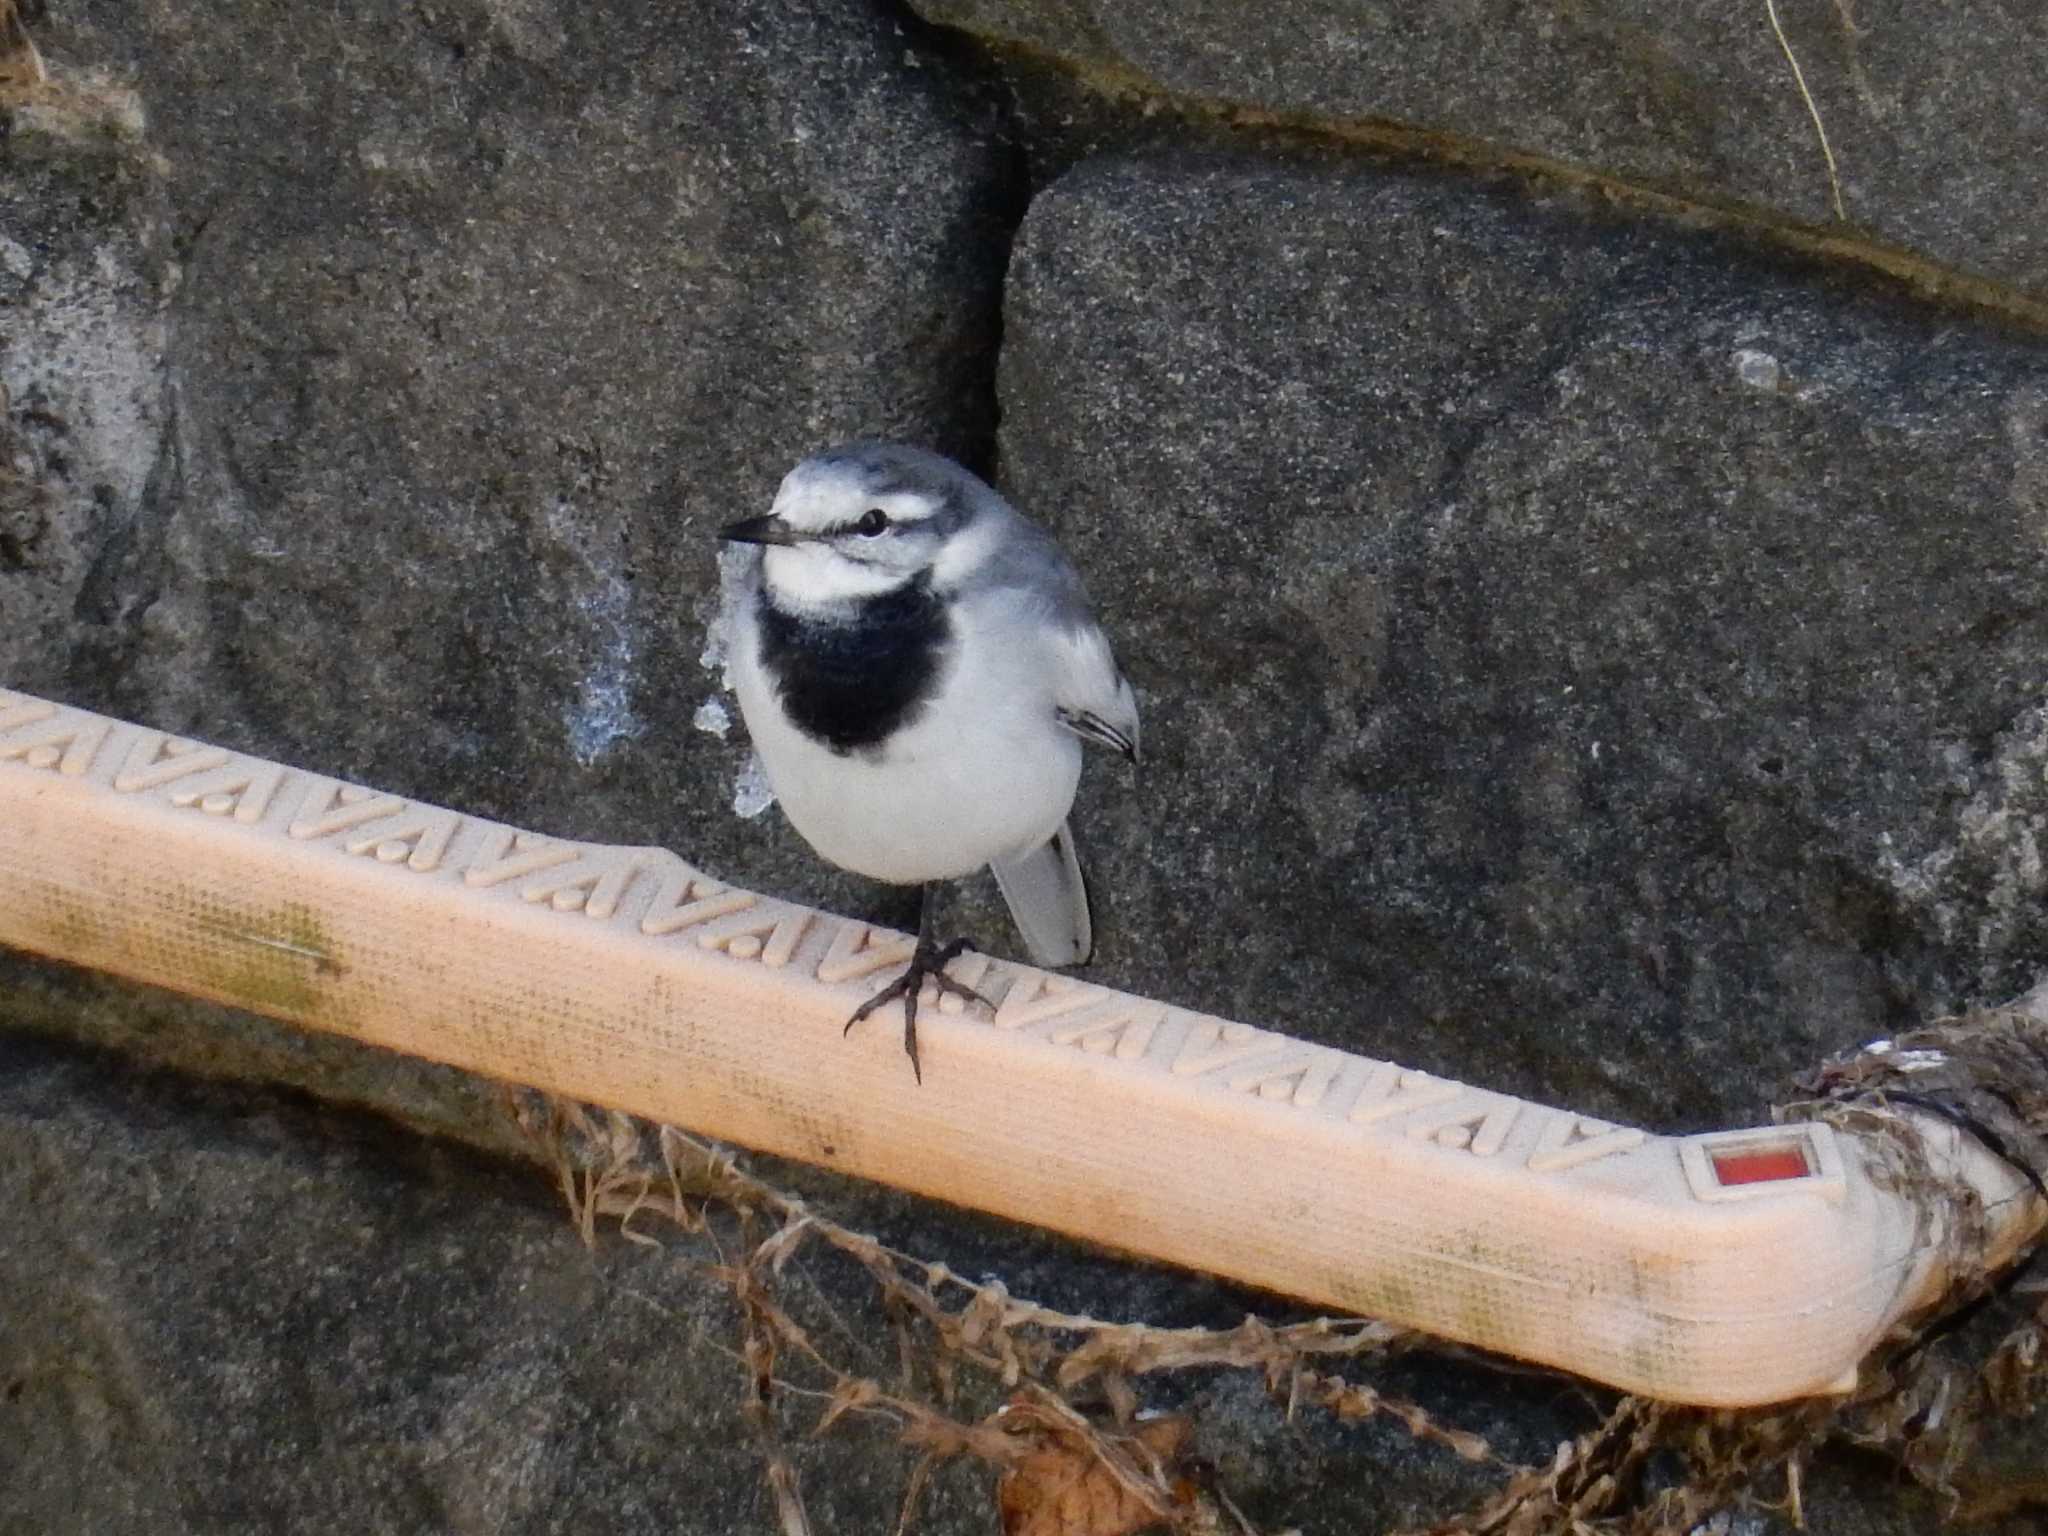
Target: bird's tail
x: 1049, y: 900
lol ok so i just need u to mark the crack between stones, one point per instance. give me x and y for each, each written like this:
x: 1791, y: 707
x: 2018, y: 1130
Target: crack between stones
x: 1926, y: 280
x: 964, y: 60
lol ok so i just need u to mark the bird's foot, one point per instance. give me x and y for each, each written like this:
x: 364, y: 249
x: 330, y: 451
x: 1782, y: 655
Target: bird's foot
x: 927, y: 961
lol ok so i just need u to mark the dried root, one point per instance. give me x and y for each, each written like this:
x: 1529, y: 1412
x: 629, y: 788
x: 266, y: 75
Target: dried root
x: 1054, y: 1403
x: 21, y: 64
x: 1051, y: 1401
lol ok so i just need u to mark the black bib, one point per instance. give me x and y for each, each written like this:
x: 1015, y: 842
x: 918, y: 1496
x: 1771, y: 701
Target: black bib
x: 852, y: 683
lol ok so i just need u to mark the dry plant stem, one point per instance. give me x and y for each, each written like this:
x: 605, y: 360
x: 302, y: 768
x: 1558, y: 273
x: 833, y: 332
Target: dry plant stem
x: 21, y: 63
x: 1812, y: 111
x: 609, y: 1168
x: 1049, y: 1360
x: 757, y: 1407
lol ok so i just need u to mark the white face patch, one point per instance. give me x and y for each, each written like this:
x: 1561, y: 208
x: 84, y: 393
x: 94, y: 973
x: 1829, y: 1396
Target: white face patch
x: 822, y: 574
x: 817, y: 576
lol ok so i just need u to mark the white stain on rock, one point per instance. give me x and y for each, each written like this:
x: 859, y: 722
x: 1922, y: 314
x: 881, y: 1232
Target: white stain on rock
x: 712, y: 717
x: 87, y: 349
x: 2026, y: 429
x: 603, y: 711
x: 1759, y: 370
x: 750, y: 792
x: 1981, y: 880
x: 734, y: 560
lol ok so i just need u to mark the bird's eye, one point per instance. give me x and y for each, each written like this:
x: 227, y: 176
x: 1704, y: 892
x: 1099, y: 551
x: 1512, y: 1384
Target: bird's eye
x: 872, y: 522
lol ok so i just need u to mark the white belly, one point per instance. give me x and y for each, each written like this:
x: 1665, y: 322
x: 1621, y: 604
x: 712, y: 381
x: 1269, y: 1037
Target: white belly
x: 975, y: 777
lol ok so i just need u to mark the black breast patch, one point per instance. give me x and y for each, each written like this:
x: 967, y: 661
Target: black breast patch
x: 851, y: 684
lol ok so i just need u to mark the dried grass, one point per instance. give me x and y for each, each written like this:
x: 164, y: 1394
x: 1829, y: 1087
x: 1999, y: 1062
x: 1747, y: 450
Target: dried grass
x: 1055, y: 1402
x: 1068, y: 1433
x: 1812, y: 111
x: 76, y: 107
x: 21, y: 63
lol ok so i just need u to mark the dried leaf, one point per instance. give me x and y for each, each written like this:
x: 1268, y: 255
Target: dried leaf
x: 21, y: 66
x: 1063, y: 1488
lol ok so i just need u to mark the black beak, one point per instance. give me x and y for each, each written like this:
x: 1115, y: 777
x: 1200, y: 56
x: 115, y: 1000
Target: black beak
x: 760, y: 530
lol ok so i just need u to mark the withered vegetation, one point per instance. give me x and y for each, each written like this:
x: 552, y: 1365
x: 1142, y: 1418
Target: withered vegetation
x: 1055, y: 1403
x: 21, y: 63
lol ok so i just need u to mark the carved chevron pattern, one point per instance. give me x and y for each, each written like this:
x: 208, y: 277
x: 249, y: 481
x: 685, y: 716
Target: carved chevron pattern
x: 661, y: 898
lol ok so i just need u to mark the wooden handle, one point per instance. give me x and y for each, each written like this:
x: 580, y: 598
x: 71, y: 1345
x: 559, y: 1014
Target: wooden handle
x: 1727, y: 1269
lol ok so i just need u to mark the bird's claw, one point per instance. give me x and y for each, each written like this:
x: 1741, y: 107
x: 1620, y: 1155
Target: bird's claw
x: 925, y: 962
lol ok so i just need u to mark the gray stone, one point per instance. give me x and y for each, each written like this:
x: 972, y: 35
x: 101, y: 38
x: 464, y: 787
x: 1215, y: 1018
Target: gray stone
x: 82, y: 339
x: 470, y: 324
x: 241, y: 1312
x: 1935, y: 118
x: 1584, y: 658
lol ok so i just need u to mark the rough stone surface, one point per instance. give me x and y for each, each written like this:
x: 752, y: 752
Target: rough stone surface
x: 1934, y: 114
x: 243, y: 1313
x: 1576, y: 655
x: 475, y: 321
x: 82, y: 340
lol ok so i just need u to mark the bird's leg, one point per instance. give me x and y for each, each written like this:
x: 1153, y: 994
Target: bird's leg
x: 930, y: 958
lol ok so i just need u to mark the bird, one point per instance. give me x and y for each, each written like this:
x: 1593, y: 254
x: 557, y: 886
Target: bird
x: 918, y: 666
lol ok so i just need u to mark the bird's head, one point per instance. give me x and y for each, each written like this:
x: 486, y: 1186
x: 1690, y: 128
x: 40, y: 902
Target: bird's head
x: 866, y: 519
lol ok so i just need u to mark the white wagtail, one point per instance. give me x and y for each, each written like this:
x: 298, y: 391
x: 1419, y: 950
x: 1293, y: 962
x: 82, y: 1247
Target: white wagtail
x: 918, y: 667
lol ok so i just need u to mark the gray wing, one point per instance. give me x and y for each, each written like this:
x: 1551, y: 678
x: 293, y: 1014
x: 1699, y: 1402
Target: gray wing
x: 1093, y: 697
x: 1049, y: 901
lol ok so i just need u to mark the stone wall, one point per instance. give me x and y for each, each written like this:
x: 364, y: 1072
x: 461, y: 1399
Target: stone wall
x: 1587, y: 597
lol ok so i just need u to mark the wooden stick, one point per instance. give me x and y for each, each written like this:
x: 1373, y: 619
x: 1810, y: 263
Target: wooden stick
x: 1738, y: 1268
